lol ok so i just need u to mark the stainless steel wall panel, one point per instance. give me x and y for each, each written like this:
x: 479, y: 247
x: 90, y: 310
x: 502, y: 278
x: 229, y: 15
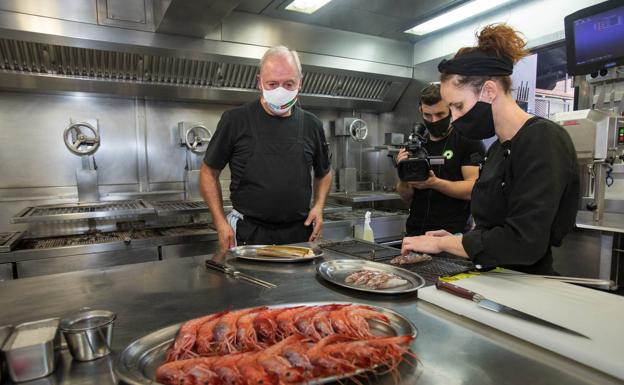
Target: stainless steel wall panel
x: 166, y: 159
x: 34, y: 156
x: 30, y: 141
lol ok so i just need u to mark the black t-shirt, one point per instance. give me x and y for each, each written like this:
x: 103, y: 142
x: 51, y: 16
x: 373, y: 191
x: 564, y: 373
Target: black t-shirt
x: 432, y: 210
x: 233, y: 140
x: 525, y: 199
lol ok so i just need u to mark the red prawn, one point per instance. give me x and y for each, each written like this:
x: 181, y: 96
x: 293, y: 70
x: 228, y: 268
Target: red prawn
x: 187, y: 335
x: 225, y: 330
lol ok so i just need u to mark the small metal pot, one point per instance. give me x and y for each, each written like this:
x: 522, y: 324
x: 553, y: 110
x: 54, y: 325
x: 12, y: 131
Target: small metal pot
x: 89, y: 334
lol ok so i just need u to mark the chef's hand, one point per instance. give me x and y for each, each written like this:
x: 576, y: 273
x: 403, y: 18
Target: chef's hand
x: 315, y: 217
x: 226, y: 236
x: 438, y: 233
x: 429, y: 183
x: 421, y: 244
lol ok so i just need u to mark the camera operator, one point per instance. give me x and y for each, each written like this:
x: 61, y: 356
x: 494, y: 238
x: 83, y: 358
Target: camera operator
x: 442, y: 201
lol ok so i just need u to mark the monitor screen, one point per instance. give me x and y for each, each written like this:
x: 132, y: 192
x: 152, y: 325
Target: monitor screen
x: 595, y: 38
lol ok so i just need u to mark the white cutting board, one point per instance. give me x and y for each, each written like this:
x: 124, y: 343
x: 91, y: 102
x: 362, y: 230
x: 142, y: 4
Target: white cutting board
x: 596, y: 314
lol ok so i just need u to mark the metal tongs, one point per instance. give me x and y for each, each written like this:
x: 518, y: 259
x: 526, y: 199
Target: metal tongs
x: 211, y: 264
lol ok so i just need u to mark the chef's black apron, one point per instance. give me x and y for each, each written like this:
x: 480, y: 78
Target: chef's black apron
x: 275, y: 190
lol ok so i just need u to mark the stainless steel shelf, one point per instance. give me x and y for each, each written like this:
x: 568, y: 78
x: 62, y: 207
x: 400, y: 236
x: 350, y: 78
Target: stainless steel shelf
x: 334, y: 208
x: 78, y: 211
x: 364, y: 196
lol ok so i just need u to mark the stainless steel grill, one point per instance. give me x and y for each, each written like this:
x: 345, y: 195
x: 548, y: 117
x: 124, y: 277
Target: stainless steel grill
x: 442, y: 265
x: 8, y: 240
x: 362, y: 249
x: 86, y: 63
x: 178, y: 207
x: 82, y: 211
x: 77, y: 240
x: 87, y: 239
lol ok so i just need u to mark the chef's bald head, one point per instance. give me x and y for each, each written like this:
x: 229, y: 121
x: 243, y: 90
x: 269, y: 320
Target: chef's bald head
x: 283, y: 54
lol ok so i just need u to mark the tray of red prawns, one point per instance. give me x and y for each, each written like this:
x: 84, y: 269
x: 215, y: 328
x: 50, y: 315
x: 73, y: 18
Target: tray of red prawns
x: 305, y: 343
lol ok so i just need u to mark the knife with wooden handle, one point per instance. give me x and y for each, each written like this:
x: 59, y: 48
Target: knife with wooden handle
x: 499, y: 308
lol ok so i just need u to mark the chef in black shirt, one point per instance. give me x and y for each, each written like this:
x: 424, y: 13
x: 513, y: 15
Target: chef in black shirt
x: 526, y: 197
x: 272, y: 147
x: 443, y: 200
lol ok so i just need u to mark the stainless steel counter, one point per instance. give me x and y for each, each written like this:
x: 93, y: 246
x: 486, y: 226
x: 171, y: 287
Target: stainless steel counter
x: 149, y: 296
x: 612, y: 222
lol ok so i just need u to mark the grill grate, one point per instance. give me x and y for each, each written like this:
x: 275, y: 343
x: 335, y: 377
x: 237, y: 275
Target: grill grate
x: 74, y: 240
x: 176, y: 207
x: 88, y: 239
x: 82, y: 211
x: 8, y: 240
x: 439, y: 267
x: 85, y: 63
x: 46, y: 211
x: 364, y: 250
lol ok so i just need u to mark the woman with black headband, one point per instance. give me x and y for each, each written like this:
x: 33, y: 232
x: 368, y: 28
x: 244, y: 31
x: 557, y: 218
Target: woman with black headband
x: 526, y: 197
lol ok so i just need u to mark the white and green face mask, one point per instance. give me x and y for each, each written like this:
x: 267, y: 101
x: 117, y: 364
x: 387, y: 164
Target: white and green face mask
x: 280, y: 100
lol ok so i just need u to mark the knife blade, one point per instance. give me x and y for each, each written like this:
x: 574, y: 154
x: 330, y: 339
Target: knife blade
x: 499, y: 308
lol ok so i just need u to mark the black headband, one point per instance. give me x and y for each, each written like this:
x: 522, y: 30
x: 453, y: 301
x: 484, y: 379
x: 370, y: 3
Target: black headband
x: 477, y: 63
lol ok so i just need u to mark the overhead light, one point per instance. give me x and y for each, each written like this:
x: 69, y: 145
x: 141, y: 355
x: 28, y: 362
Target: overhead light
x: 455, y: 15
x: 306, y: 6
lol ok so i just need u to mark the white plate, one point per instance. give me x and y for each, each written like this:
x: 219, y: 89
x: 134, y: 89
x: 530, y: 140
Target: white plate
x: 249, y: 252
x: 337, y: 270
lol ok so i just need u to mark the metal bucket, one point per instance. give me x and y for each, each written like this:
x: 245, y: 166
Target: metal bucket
x: 89, y: 334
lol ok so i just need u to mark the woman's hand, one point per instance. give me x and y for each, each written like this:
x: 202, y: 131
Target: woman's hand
x: 438, y: 233
x: 421, y: 244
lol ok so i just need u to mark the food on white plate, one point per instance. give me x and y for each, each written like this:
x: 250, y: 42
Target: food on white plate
x: 411, y: 258
x: 375, y: 279
x: 285, y: 251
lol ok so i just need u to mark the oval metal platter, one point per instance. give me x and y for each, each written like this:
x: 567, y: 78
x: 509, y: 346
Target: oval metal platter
x: 138, y: 362
x: 248, y: 252
x: 337, y: 270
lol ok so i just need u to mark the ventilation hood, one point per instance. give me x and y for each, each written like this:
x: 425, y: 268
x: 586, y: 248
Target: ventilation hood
x: 50, y: 55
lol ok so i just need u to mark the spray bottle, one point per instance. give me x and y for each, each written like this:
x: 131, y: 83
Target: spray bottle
x: 367, y: 234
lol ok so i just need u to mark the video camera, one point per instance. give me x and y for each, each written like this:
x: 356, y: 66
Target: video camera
x: 416, y: 167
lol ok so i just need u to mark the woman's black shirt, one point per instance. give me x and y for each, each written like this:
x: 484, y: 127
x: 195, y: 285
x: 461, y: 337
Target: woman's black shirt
x: 525, y: 199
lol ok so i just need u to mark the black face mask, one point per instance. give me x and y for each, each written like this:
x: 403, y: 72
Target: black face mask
x: 440, y: 128
x: 478, y: 123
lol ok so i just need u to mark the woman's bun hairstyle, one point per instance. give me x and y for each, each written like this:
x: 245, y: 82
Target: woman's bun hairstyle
x: 500, y: 40
x: 503, y: 40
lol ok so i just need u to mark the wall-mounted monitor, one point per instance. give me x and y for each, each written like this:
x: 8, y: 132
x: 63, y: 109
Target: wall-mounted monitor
x: 595, y: 38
